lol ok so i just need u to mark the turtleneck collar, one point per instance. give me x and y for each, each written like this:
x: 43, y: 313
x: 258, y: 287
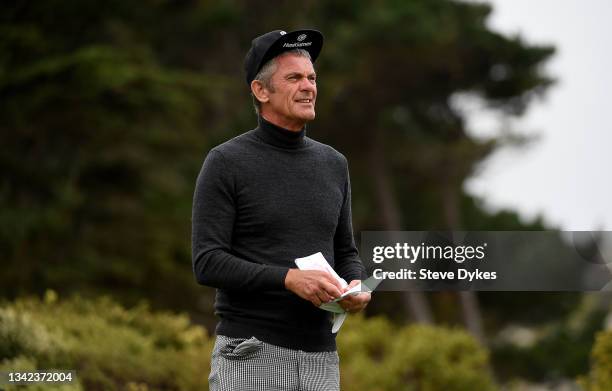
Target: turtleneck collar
x: 280, y: 137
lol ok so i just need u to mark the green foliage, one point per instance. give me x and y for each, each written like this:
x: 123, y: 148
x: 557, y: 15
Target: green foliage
x: 109, y: 109
x: 560, y: 354
x: 389, y: 74
x: 112, y: 348
x: 561, y: 347
x: 102, y: 140
x: 377, y: 356
x: 600, y: 375
x: 109, y: 346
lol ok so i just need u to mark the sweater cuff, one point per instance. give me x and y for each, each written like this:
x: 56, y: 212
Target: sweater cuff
x: 275, y: 277
x: 357, y: 275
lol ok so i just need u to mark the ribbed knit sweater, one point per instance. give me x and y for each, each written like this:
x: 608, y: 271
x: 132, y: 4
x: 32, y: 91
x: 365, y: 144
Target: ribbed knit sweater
x: 262, y: 199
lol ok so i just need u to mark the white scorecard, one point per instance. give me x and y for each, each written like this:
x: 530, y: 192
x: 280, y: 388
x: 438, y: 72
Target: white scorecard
x: 318, y: 262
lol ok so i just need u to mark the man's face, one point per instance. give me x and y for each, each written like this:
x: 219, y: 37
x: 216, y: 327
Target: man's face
x: 294, y: 91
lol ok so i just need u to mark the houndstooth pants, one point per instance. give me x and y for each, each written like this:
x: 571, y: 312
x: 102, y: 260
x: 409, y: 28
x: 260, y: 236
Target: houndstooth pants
x: 241, y: 364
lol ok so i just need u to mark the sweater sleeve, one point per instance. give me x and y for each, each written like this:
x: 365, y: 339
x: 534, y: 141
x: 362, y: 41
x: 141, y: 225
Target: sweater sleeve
x: 346, y: 257
x: 213, y: 217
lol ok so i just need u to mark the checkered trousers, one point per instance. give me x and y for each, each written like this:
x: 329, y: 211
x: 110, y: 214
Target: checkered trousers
x: 241, y: 364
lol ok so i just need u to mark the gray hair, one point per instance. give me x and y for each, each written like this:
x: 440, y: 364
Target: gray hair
x: 264, y: 76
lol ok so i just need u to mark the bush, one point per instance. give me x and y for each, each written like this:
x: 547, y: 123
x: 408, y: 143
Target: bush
x: 110, y: 347
x: 377, y: 356
x: 600, y: 375
x: 113, y: 348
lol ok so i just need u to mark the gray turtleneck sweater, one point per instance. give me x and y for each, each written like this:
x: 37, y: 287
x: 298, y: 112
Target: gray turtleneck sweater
x: 262, y: 199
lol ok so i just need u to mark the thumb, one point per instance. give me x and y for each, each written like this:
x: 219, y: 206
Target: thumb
x: 352, y: 284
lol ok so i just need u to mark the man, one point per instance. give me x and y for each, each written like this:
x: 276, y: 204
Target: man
x: 263, y: 199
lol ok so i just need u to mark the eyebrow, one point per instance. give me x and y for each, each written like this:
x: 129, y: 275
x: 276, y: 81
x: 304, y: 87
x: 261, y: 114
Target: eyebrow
x: 300, y: 74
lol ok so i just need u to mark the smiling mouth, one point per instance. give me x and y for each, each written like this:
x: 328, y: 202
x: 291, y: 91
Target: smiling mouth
x: 304, y: 100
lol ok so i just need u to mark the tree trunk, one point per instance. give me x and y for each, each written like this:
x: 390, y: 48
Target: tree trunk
x: 415, y: 303
x: 468, y: 299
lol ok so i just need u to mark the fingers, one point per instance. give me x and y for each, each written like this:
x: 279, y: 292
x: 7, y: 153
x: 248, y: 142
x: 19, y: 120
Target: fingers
x: 331, y: 290
x: 324, y: 293
x: 320, y: 298
x: 355, y: 303
x: 321, y: 292
x: 328, y: 286
x: 350, y: 303
x: 335, y: 283
x: 352, y: 284
x: 318, y: 287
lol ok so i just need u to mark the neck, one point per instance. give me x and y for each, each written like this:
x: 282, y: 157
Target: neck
x: 289, y: 124
x: 280, y: 137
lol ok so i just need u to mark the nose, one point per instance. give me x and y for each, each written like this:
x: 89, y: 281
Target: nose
x: 308, y: 85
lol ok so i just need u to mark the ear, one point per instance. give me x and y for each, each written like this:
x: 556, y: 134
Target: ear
x: 259, y: 91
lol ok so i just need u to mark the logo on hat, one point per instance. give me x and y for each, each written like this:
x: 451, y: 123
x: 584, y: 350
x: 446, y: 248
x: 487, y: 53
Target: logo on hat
x: 283, y: 32
x: 301, y: 37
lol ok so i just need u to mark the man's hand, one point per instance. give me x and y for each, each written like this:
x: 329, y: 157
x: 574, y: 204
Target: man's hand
x: 355, y: 303
x: 316, y: 286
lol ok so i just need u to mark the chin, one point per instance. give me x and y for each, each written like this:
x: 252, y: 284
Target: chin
x: 308, y: 116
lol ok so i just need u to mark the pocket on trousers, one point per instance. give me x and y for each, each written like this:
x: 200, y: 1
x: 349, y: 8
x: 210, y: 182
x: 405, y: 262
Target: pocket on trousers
x: 241, y: 348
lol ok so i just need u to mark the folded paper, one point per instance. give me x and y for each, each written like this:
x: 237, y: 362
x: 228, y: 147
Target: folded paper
x: 318, y: 262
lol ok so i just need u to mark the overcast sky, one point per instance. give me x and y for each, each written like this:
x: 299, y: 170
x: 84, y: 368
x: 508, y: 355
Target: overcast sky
x: 567, y: 174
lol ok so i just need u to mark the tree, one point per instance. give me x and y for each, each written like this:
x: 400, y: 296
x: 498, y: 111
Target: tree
x: 107, y: 117
x: 101, y: 142
x: 397, y: 66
